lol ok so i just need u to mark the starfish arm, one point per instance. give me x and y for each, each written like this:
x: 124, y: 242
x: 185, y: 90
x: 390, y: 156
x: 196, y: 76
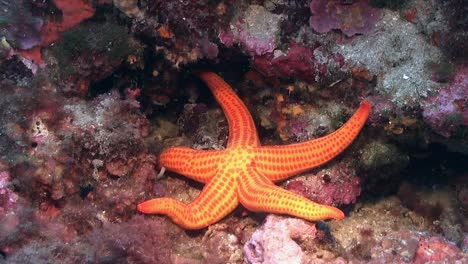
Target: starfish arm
x: 281, y: 162
x: 242, y: 131
x: 195, y: 164
x: 257, y: 193
x: 216, y: 200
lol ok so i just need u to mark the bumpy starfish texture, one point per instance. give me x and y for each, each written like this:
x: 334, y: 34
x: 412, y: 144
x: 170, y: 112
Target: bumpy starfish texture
x: 245, y: 171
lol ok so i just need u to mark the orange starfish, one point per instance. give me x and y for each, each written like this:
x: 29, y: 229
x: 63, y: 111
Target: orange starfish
x: 245, y: 171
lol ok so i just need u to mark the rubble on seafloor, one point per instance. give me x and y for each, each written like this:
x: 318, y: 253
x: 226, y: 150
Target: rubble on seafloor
x: 91, y: 92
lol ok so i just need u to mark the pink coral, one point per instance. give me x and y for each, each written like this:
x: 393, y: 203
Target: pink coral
x: 356, y: 18
x: 446, y: 111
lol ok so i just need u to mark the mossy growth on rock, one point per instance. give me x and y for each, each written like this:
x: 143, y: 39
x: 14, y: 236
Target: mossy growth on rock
x: 88, y: 46
x: 383, y: 157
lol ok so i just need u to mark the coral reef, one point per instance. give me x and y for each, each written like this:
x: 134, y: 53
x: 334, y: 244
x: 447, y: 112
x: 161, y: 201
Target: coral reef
x: 93, y: 91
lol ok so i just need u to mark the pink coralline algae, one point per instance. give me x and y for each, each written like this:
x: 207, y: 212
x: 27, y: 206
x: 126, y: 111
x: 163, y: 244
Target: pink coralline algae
x: 8, y: 197
x: 299, y: 61
x: 436, y: 250
x: 8, y: 206
x: 356, y: 18
x: 275, y: 241
x: 332, y: 186
x: 446, y: 111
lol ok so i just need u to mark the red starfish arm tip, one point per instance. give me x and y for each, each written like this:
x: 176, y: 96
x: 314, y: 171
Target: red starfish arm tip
x: 242, y: 129
x: 257, y: 193
x: 281, y: 162
x: 216, y: 200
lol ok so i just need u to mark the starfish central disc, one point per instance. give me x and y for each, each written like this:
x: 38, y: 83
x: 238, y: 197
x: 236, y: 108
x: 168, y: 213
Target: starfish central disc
x: 238, y: 158
x: 245, y: 171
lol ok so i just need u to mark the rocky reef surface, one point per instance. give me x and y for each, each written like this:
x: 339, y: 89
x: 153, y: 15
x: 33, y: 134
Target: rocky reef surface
x: 92, y: 91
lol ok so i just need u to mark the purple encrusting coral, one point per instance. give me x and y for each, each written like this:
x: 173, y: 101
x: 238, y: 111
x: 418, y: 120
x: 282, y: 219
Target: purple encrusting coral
x: 8, y: 207
x: 310, y: 64
x: 357, y: 17
x: 447, y: 111
x: 18, y: 25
